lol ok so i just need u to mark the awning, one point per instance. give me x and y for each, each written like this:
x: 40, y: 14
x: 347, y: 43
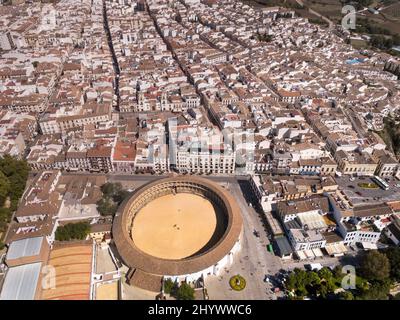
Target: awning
x: 309, y: 254
x: 336, y: 249
x: 301, y: 255
x: 317, y: 252
x: 369, y: 246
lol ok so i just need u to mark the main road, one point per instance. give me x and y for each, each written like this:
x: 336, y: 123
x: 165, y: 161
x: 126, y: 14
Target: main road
x: 253, y: 261
x: 144, y: 178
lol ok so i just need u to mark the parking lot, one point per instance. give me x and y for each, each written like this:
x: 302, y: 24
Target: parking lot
x: 360, y: 195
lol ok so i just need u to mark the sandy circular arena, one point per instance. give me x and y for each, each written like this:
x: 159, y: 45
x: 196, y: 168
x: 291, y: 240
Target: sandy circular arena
x: 174, y: 226
x: 177, y: 226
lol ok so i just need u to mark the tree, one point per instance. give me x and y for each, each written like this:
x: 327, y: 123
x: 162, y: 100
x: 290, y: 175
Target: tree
x: 312, y: 281
x: 378, y: 290
x: 4, y: 188
x: 264, y: 37
x: 338, y: 274
x: 325, y: 273
x: 361, y: 284
x: 185, y: 292
x: 106, y: 207
x: 169, y: 286
x: 396, y: 39
x: 393, y: 254
x: 5, y: 214
x: 13, y: 176
x: 375, y: 266
x: 113, y: 195
x: 346, y: 295
x: 3, y: 226
x: 120, y: 196
x: 327, y: 284
x: 110, y: 189
x: 297, y: 282
x: 73, y: 231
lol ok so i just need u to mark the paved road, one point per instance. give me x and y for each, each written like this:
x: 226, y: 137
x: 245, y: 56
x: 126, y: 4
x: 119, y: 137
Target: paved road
x: 253, y: 261
x: 133, y: 181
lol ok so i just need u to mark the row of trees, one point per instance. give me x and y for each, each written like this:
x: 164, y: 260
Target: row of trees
x: 381, y: 269
x: 264, y: 37
x: 182, y: 292
x: 384, y: 43
x: 73, y: 231
x: 367, y: 26
x: 378, y: 271
x: 317, y: 284
x: 13, y: 176
x: 381, y: 38
x: 113, y: 195
x: 392, y: 129
x: 360, y: 4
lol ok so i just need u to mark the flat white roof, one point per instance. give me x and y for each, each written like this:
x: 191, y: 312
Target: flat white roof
x: 368, y: 245
x: 24, y: 248
x: 21, y: 282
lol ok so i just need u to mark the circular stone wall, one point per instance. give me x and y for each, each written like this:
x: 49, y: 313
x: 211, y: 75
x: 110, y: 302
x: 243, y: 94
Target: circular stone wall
x: 176, y: 226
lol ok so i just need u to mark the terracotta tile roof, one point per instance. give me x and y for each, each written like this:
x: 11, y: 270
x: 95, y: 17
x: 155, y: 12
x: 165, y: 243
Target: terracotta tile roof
x: 124, y: 151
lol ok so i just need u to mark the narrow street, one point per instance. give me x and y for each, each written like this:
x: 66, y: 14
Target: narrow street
x: 117, y: 71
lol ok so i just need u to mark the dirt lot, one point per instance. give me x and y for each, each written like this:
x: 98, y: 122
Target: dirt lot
x: 107, y: 291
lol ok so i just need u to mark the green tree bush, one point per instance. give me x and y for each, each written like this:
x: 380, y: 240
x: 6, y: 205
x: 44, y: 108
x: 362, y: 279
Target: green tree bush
x: 113, y: 195
x: 185, y: 292
x: 393, y: 254
x: 378, y: 290
x: 375, y: 266
x: 169, y: 286
x: 73, y: 231
x: 13, y: 176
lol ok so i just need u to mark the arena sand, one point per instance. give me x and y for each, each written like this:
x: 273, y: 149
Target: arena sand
x: 174, y: 226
